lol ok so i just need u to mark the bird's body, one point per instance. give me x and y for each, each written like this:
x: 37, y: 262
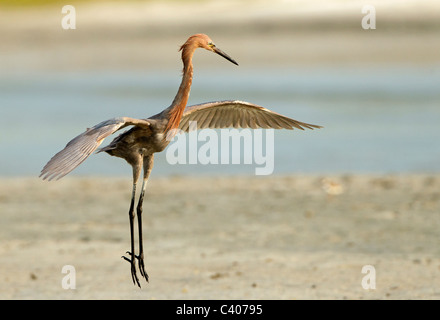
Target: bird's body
x: 138, y: 142
x: 148, y: 136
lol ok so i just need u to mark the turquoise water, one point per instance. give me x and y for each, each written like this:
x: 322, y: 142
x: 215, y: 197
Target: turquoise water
x: 380, y: 120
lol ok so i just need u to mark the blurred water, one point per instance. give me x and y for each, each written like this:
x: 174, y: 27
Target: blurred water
x: 380, y: 120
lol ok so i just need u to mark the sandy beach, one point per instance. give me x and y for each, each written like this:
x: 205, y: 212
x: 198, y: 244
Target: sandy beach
x: 288, y: 237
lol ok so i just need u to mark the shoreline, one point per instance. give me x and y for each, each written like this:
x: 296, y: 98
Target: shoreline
x: 139, y: 36
x: 287, y: 237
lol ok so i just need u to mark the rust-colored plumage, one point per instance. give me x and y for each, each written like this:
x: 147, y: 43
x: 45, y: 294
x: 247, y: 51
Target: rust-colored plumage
x: 148, y: 136
x: 175, y: 114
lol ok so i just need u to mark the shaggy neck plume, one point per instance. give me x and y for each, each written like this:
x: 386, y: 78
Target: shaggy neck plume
x: 176, y: 109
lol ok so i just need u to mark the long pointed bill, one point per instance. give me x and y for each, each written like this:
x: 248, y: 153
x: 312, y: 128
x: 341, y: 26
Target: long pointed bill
x: 224, y: 55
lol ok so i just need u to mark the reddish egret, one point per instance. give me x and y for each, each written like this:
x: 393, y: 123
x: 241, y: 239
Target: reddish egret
x: 148, y: 136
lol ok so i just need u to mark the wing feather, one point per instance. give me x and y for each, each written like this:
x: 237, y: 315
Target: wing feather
x: 243, y: 121
x: 203, y: 119
x: 237, y: 114
x: 274, y: 122
x: 217, y: 119
x: 83, y: 145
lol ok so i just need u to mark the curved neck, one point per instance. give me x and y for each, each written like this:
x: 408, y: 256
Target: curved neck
x: 175, y: 111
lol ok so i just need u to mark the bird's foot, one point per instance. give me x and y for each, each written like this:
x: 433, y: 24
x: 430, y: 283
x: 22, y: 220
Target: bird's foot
x: 134, y: 276
x: 141, y: 265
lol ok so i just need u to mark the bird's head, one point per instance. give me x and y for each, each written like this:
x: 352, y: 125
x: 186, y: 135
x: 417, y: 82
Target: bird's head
x: 203, y: 41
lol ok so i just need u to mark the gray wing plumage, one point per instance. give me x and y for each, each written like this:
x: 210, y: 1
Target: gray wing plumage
x: 237, y: 114
x: 81, y: 147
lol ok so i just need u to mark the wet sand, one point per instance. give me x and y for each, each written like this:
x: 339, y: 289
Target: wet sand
x: 279, y: 237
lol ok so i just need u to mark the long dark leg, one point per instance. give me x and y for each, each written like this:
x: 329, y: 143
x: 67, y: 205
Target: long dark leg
x: 134, y: 276
x: 148, y: 166
x: 139, y: 217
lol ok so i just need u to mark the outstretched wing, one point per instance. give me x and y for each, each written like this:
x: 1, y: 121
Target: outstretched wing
x: 82, y: 146
x: 237, y: 114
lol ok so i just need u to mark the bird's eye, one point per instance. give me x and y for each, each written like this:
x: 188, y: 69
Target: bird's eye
x: 211, y: 44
